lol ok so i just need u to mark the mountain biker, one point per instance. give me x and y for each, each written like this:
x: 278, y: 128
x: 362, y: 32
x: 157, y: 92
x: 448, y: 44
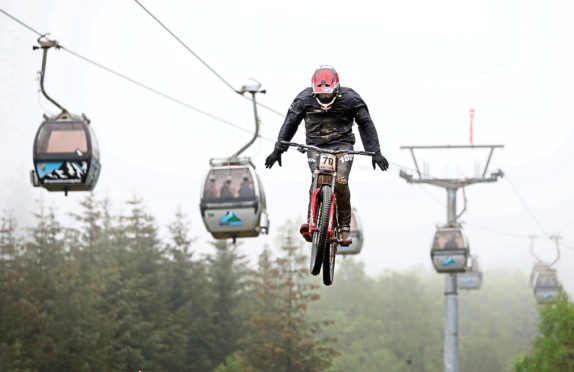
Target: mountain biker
x: 329, y: 111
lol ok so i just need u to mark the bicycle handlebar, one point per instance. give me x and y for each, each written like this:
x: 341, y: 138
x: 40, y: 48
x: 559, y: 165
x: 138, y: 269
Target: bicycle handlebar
x: 303, y: 148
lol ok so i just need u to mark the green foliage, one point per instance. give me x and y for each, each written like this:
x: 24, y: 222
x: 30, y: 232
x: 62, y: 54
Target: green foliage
x: 228, y: 275
x: 395, y: 322
x: 496, y: 322
x: 233, y: 363
x: 553, y: 349
x: 107, y: 293
x: 281, y: 338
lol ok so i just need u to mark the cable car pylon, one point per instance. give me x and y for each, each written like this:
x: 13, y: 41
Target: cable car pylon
x: 233, y: 202
x: 450, y: 249
x: 66, y: 153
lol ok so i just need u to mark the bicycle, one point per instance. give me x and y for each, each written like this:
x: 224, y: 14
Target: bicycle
x: 323, y: 216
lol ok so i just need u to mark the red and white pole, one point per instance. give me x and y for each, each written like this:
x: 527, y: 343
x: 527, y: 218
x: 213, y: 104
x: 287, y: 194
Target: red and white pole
x: 471, y: 111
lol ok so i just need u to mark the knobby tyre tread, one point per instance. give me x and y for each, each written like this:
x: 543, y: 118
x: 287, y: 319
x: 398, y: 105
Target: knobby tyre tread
x: 320, y: 244
x: 330, y: 251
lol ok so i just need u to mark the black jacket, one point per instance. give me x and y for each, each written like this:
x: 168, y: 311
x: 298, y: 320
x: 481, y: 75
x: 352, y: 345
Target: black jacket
x: 333, y: 126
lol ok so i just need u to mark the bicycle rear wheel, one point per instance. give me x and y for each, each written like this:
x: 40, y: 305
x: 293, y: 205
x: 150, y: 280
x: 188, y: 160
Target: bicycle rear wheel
x: 320, y: 244
x: 329, y: 263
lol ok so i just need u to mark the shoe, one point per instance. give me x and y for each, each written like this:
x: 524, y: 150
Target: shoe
x: 346, y: 236
x: 304, y: 230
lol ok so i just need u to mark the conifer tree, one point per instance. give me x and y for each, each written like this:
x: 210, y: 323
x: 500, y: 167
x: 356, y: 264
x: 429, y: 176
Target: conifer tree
x: 45, y: 280
x: 8, y: 291
x: 89, y: 242
x: 228, y: 275
x: 134, y: 294
x: 187, y: 301
x: 280, y: 336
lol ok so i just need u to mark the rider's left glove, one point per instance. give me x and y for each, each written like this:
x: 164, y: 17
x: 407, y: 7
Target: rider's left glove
x: 379, y: 159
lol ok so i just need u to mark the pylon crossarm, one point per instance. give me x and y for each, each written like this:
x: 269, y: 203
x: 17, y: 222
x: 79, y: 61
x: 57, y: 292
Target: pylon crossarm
x: 492, y: 178
x: 446, y: 182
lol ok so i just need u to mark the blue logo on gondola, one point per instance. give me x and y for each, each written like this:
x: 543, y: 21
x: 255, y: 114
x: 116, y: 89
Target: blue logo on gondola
x: 230, y: 219
x: 47, y: 168
x: 449, y: 262
x: 466, y: 281
x: 547, y: 296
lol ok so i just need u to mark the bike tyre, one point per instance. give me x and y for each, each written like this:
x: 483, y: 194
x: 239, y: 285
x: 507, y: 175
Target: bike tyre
x: 329, y: 263
x: 320, y: 237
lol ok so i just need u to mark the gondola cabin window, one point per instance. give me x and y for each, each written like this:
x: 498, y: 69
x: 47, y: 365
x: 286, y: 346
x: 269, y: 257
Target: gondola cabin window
x: 450, y: 239
x: 63, y: 138
x: 229, y: 184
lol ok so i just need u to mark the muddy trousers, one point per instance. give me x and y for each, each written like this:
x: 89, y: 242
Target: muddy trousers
x: 342, y: 192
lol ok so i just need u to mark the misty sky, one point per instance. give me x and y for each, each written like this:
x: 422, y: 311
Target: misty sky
x: 420, y: 66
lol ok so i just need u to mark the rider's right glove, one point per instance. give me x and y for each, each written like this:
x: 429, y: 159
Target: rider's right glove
x: 275, y: 156
x: 379, y: 159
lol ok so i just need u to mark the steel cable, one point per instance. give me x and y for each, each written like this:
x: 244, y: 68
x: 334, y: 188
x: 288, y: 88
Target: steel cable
x: 201, y: 60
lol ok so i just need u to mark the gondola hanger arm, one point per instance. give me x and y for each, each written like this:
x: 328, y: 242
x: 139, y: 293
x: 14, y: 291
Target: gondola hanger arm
x: 46, y: 44
x: 252, y: 87
x: 556, y: 239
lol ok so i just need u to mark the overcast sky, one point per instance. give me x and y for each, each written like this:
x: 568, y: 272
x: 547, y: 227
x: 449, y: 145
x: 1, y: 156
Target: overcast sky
x: 420, y: 66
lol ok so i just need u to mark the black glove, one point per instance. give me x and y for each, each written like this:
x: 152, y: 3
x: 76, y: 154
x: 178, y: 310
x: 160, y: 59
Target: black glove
x: 272, y: 158
x: 380, y: 160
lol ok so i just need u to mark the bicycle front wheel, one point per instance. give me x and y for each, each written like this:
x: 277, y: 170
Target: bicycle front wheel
x: 320, y: 244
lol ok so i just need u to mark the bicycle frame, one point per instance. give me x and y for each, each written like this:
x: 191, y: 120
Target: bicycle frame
x: 323, y: 229
x: 332, y: 174
x: 316, y: 189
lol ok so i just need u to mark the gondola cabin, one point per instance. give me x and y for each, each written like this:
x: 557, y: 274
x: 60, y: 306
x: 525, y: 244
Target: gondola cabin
x: 232, y: 200
x: 450, y: 250
x: 357, y: 236
x: 471, y: 278
x: 546, y: 286
x: 538, y: 267
x: 66, y: 155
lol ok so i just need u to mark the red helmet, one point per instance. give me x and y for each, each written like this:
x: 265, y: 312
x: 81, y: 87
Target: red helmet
x: 325, y: 80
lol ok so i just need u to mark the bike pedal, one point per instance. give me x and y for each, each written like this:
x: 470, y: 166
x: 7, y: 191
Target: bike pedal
x: 304, y: 231
x: 346, y: 243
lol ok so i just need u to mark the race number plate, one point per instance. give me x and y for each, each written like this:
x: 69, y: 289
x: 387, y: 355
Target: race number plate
x: 328, y: 162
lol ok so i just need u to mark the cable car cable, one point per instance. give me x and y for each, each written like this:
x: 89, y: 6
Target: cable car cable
x: 153, y: 90
x: 526, y: 206
x: 570, y: 226
x: 185, y: 46
x: 178, y: 101
x: 202, y: 61
x: 513, y: 235
x: 496, y: 231
x: 20, y: 22
x: 141, y: 85
x: 432, y: 196
x: 171, y: 98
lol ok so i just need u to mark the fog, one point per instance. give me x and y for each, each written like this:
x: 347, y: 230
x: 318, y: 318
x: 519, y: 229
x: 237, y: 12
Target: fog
x: 419, y: 66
